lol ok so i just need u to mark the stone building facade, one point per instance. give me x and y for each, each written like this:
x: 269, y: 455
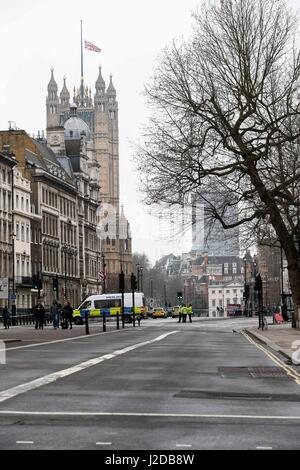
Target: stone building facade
x: 93, y: 123
x: 7, y: 164
x: 68, y: 219
x: 22, y: 235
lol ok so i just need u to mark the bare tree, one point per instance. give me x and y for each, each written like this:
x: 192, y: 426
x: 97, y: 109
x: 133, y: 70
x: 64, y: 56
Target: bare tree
x: 226, y: 118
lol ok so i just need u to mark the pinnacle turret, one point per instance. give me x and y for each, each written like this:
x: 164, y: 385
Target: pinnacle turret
x: 111, y: 91
x: 65, y: 92
x: 64, y: 96
x: 52, y: 85
x: 100, y: 84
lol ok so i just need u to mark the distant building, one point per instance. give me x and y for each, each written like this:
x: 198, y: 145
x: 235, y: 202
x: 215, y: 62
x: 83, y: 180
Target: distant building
x: 209, y: 237
x: 7, y: 163
x: 271, y: 271
x: 223, y: 296
x: 23, y: 217
x: 92, y: 122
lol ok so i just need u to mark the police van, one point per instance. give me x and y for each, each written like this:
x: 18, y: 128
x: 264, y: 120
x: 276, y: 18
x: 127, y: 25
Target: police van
x: 109, y: 305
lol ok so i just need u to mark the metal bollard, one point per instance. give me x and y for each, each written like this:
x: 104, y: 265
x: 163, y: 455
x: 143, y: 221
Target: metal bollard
x: 87, y: 330
x: 104, y: 323
x: 118, y: 321
x: 139, y: 320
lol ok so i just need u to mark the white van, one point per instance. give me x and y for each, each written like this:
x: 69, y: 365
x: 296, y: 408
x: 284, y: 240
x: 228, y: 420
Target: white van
x: 110, y: 305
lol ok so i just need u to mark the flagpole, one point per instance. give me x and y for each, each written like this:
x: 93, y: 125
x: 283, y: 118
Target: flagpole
x: 81, y: 86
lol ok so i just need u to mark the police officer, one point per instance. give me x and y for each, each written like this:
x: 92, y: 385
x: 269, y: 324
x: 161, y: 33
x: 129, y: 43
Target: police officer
x: 184, y: 313
x: 180, y: 313
x: 190, y: 312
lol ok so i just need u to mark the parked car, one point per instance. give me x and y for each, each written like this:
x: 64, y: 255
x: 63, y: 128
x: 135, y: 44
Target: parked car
x: 159, y: 312
x: 175, y: 311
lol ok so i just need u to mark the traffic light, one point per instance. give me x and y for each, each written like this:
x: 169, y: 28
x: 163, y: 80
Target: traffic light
x: 55, y: 284
x: 121, y: 281
x: 258, y: 283
x: 133, y: 282
x: 246, y: 293
x: 36, y: 282
x: 179, y: 296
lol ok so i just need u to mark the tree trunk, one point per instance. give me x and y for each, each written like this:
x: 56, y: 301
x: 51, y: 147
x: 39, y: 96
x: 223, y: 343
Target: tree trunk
x: 294, y: 278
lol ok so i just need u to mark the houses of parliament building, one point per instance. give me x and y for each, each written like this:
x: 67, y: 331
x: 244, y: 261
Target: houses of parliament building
x: 74, y: 227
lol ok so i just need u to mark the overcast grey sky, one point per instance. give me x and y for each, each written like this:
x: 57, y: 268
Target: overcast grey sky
x: 36, y: 35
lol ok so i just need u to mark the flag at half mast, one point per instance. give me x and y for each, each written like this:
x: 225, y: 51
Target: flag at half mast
x: 91, y: 47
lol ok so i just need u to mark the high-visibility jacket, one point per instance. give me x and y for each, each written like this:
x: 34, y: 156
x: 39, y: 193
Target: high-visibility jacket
x: 190, y: 310
x: 184, y: 310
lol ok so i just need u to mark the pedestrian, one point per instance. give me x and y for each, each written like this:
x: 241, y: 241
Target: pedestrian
x: 54, y: 312
x: 68, y: 314
x: 39, y: 313
x: 180, y: 313
x: 184, y: 313
x: 190, y: 312
x: 284, y: 312
x: 6, y: 317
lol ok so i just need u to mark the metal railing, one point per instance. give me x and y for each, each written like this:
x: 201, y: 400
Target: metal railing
x: 25, y: 317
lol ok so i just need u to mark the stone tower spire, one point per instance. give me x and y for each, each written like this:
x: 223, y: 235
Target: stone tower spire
x: 100, y: 97
x: 64, y: 97
x: 111, y: 99
x: 52, y: 103
x: 111, y: 91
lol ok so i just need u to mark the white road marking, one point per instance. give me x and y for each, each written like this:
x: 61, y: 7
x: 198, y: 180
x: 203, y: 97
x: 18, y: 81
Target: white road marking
x: 47, y: 379
x: 34, y: 345
x: 146, y: 415
x: 183, y: 445
x: 103, y: 443
x: 24, y: 442
x: 264, y: 448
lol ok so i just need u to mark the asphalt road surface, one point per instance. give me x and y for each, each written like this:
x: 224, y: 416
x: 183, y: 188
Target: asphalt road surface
x: 163, y: 386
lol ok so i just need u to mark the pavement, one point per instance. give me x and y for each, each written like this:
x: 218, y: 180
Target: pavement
x: 280, y: 338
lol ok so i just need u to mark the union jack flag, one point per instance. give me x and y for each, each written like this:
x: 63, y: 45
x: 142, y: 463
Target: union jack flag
x: 91, y: 47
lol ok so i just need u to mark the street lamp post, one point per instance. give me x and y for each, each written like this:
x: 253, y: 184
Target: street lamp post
x: 141, y: 271
x: 104, y: 273
x: 138, y: 266
x: 246, y: 290
x: 139, y: 277
x: 67, y: 251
